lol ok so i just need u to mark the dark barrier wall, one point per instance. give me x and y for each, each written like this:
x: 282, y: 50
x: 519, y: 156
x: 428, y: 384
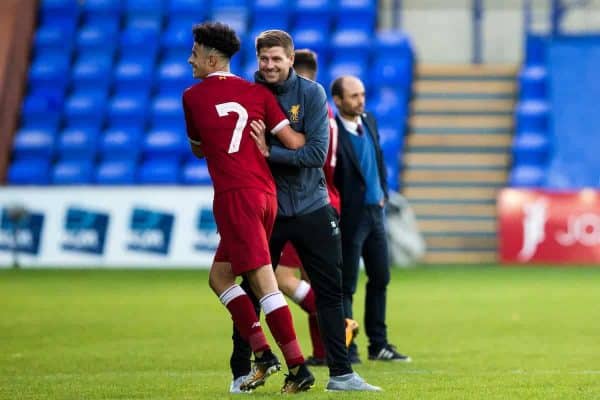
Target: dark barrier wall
x: 17, y: 23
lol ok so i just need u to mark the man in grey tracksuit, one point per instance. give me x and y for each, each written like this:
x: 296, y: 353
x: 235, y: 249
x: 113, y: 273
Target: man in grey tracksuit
x: 305, y: 216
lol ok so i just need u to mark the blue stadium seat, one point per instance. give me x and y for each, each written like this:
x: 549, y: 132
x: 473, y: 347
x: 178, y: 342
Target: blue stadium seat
x: 128, y: 110
x: 356, y: 67
x: 115, y: 172
x: 235, y: 16
x: 29, y: 172
x: 167, y: 111
x: 121, y: 143
x: 145, y: 7
x: 532, y: 116
x: 98, y: 36
x: 86, y: 110
x: 313, y: 13
x: 392, y: 71
x: 535, y: 50
x: 133, y: 76
x: 72, y: 172
x: 78, y: 144
x: 49, y: 73
x: 164, y: 144
x: 195, y: 172
x: 64, y: 13
x: 54, y: 37
x: 393, y: 43
x: 532, y: 83
x: 91, y: 73
x: 187, y: 8
x: 389, y: 105
x: 350, y: 44
x: 177, y: 41
x: 392, y: 171
x: 356, y: 14
x: 270, y: 14
x: 43, y: 110
x: 101, y: 10
x: 140, y: 43
x: 315, y: 39
x: 158, y: 172
x: 526, y: 176
x: 530, y: 148
x: 174, y: 77
x: 390, y: 140
x: 34, y: 143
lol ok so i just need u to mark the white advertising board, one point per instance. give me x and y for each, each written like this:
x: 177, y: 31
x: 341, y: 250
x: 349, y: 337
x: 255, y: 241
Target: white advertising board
x: 144, y: 227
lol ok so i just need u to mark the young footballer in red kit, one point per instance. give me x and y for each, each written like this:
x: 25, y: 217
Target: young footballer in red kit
x: 219, y: 112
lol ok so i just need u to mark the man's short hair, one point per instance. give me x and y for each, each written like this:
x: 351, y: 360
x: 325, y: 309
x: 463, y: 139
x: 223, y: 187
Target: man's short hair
x: 273, y: 38
x: 306, y: 59
x: 337, y: 87
x: 217, y: 36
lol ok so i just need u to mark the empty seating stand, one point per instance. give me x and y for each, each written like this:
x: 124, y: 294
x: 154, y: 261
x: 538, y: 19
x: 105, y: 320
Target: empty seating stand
x: 104, y: 99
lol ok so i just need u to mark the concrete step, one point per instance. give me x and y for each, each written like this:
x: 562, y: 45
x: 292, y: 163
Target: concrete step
x: 455, y: 193
x: 442, y: 177
x: 466, y: 71
x: 508, y: 87
x: 483, y: 242
x: 465, y: 225
x: 502, y: 123
x: 460, y: 140
x: 465, y: 106
x: 450, y: 160
x: 460, y: 209
x: 453, y: 257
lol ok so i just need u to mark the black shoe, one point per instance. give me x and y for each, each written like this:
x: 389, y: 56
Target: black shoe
x: 299, y: 382
x: 316, y: 362
x: 353, y: 354
x: 388, y: 353
x: 262, y: 368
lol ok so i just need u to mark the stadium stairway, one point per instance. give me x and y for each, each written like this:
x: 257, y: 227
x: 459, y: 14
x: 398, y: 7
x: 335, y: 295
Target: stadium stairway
x: 457, y: 157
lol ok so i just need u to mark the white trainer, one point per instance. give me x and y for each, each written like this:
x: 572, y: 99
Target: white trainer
x: 350, y: 382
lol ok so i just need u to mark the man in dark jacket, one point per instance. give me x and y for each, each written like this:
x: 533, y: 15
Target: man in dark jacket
x: 360, y: 177
x: 305, y: 216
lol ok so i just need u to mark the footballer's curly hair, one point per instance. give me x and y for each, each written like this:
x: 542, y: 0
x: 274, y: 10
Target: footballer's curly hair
x: 217, y: 36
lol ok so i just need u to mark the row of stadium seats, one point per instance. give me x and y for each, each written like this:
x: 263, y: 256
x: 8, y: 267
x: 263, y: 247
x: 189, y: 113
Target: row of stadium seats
x: 531, y: 144
x: 237, y: 13
x: 106, y: 80
x: 109, y: 172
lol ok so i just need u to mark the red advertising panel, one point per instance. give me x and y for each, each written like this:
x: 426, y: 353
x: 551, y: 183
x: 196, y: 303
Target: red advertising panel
x: 552, y: 227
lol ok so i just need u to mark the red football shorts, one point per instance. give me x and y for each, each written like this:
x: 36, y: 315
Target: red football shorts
x: 289, y: 257
x: 245, y: 220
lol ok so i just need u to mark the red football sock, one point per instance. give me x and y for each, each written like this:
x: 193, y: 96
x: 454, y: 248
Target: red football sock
x: 280, y: 323
x: 244, y: 317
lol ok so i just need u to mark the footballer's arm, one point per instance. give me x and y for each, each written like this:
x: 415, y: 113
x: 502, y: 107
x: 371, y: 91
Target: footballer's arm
x: 291, y: 138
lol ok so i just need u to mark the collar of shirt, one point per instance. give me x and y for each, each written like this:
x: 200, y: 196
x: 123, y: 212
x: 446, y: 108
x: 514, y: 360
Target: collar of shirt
x: 219, y: 73
x: 280, y: 87
x: 351, y: 126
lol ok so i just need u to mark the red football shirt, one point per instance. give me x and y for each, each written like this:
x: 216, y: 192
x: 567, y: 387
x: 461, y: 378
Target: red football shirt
x: 218, y: 112
x: 329, y: 167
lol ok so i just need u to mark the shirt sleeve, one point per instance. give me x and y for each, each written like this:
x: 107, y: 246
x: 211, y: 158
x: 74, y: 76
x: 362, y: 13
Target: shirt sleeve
x: 275, y: 118
x: 316, y: 127
x: 192, y: 134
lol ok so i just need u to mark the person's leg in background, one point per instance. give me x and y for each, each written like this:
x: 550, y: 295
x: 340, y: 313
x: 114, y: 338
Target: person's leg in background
x: 377, y: 268
x: 351, y: 251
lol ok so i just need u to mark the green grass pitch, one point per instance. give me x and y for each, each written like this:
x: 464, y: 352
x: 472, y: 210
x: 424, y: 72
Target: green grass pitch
x: 480, y: 332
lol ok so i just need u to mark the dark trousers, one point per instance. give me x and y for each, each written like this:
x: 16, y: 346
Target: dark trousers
x: 370, y: 242
x: 316, y: 237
